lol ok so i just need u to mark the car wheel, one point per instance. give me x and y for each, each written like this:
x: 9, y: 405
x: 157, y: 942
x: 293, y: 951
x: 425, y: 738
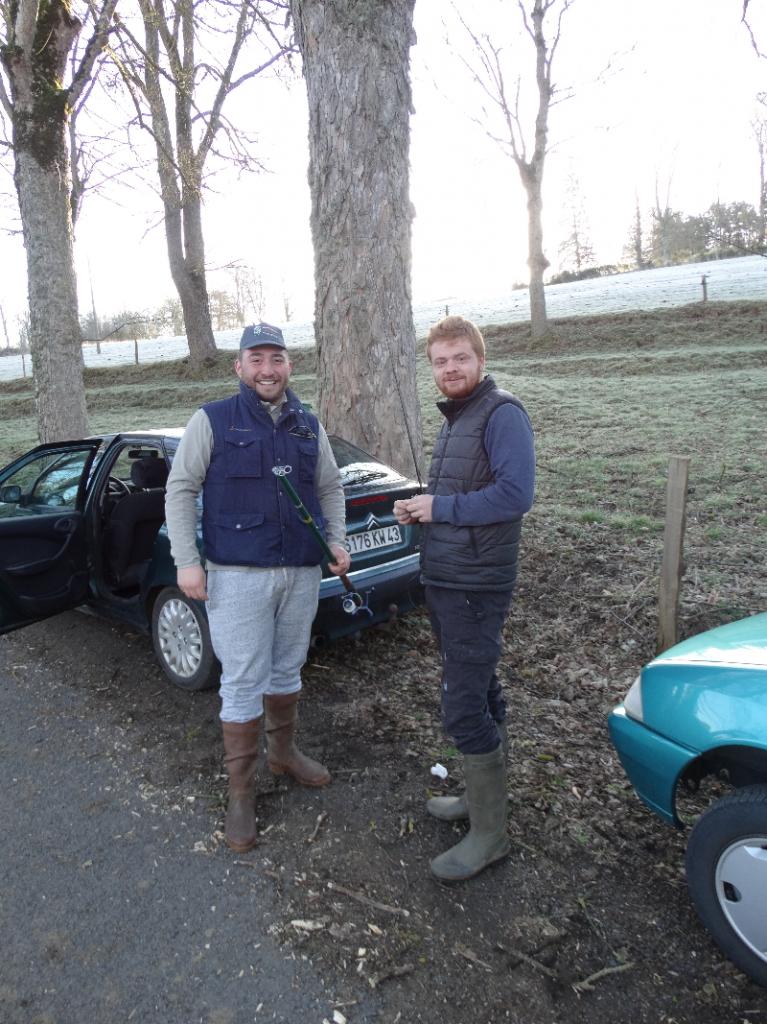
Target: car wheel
x: 727, y: 876
x: 182, y: 641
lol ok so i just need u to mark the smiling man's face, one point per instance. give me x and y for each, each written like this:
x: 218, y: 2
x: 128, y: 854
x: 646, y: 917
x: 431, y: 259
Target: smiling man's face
x: 265, y: 370
x: 456, y: 366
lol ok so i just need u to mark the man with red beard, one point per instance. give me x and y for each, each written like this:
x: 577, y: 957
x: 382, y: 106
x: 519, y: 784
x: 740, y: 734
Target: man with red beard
x: 481, y: 483
x: 261, y: 576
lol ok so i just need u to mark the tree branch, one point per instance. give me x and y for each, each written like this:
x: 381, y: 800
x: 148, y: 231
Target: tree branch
x: 96, y: 45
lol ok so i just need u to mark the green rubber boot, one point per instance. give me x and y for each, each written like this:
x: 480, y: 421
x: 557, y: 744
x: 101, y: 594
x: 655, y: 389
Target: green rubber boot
x: 486, y: 841
x: 456, y: 808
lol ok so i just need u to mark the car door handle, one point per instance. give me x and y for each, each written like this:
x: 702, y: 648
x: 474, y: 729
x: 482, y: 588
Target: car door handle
x: 65, y: 525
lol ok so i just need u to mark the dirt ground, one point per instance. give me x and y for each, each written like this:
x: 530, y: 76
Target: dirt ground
x: 589, y: 919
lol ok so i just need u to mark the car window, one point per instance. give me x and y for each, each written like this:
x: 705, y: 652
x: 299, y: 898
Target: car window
x: 50, y: 481
x: 121, y: 467
x: 356, y: 465
x: 348, y: 454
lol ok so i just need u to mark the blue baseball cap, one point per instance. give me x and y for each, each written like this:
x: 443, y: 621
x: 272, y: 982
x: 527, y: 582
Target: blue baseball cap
x: 261, y: 334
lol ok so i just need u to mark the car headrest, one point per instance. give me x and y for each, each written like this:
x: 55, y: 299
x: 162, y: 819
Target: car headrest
x: 148, y: 473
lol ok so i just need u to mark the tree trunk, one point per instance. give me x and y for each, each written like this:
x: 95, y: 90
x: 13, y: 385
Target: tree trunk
x: 356, y: 66
x: 180, y: 175
x: 43, y: 184
x: 536, y: 261
x: 54, y: 337
x: 186, y: 255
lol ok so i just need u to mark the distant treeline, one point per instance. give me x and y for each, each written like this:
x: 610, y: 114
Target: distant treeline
x: 725, y: 230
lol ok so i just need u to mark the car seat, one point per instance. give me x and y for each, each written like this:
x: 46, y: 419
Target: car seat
x: 135, y: 521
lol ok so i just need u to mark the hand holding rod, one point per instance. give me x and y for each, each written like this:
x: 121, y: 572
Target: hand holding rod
x: 353, y: 600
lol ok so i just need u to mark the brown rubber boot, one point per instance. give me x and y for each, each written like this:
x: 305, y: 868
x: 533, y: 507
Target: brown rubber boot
x: 283, y: 756
x: 241, y: 750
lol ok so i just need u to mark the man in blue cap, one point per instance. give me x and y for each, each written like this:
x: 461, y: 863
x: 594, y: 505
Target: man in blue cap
x: 262, y: 566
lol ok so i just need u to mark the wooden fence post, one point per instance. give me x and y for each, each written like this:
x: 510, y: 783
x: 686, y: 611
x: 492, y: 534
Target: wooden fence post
x: 673, y: 544
x: 135, y: 350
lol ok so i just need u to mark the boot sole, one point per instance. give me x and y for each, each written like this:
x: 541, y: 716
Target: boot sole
x: 464, y: 878
x: 241, y: 847
x: 299, y: 779
x: 446, y: 817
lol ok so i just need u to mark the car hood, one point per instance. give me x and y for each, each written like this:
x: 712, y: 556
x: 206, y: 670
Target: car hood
x: 738, y: 643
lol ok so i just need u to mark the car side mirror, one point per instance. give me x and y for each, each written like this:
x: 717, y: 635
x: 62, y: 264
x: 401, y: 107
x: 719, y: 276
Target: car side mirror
x: 10, y: 494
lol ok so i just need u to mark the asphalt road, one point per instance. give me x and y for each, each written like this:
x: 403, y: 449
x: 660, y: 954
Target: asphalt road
x: 116, y: 902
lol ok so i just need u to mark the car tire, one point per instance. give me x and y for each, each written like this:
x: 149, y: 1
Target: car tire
x: 727, y: 876
x: 182, y: 643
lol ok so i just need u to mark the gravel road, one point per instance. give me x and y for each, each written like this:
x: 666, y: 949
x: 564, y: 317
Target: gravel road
x: 117, y: 904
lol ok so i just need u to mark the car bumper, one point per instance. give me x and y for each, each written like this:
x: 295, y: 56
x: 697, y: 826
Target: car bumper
x: 387, y: 590
x: 652, y: 763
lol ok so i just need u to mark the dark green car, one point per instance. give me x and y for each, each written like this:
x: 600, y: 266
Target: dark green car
x: 82, y: 523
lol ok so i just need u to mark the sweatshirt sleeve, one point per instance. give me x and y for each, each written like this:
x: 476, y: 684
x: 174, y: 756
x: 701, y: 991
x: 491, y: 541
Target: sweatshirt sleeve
x: 330, y: 491
x: 510, y: 447
x: 185, y: 480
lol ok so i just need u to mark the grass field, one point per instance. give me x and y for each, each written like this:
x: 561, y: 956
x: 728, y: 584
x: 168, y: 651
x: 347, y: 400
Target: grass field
x: 611, y: 399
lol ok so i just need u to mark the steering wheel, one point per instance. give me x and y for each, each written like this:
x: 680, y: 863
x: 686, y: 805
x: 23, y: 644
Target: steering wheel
x: 116, y: 488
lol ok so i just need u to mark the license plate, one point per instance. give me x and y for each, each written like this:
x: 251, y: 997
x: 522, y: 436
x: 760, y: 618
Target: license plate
x: 370, y: 540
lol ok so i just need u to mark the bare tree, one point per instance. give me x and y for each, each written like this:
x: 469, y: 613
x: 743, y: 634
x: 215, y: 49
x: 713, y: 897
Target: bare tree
x: 249, y: 292
x: 5, y: 329
x: 749, y: 28
x: 759, y: 127
x: 34, y: 55
x: 525, y: 143
x: 576, y: 246
x: 634, y: 248
x: 179, y: 94
x: 356, y: 56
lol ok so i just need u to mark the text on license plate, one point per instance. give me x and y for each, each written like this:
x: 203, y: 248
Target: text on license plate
x: 369, y: 540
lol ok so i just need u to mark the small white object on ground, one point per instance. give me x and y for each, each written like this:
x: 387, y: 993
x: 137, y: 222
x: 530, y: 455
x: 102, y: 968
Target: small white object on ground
x: 439, y: 770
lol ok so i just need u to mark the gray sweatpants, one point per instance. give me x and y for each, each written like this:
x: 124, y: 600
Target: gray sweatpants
x: 260, y: 625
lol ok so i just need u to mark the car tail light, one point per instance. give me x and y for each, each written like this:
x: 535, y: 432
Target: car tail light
x: 369, y: 499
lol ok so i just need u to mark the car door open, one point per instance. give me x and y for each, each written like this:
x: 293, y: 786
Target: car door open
x: 43, y: 546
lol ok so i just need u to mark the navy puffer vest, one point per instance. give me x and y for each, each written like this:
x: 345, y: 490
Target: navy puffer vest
x: 468, y: 557
x: 247, y: 518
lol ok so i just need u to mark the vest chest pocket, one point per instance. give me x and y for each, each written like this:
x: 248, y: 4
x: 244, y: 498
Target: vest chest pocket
x: 233, y: 523
x: 307, y: 458
x: 243, y: 456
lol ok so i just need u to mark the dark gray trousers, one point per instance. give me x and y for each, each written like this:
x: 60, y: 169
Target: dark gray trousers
x: 468, y: 625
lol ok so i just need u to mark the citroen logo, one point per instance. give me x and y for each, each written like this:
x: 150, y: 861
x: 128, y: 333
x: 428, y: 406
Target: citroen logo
x: 371, y: 523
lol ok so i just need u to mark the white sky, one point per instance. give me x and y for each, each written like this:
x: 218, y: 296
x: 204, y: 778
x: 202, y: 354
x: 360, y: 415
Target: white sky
x: 676, y: 106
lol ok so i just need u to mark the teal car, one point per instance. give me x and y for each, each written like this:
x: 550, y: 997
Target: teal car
x: 700, y: 709
x: 82, y: 524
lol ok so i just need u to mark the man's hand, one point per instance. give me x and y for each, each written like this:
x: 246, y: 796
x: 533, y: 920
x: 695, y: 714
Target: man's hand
x: 342, y: 562
x: 401, y: 513
x: 191, y: 582
x: 414, y: 510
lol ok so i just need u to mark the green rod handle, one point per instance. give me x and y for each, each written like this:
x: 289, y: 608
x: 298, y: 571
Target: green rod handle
x: 306, y: 518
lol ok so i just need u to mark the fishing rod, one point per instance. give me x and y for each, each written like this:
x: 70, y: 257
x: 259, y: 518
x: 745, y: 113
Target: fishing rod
x: 407, y: 424
x: 353, y: 601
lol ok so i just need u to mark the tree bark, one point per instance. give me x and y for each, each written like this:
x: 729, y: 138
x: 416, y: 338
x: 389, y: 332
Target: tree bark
x: 180, y: 174
x: 356, y: 67
x: 35, y: 61
x: 536, y: 260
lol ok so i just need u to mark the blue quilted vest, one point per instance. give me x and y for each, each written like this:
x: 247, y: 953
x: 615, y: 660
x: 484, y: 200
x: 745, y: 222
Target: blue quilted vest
x: 247, y: 517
